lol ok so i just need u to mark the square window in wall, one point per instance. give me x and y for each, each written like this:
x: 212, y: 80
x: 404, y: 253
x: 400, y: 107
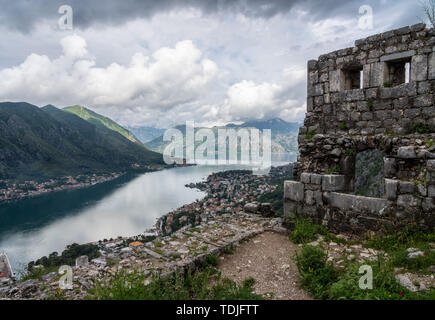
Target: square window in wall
x: 352, y: 78
x: 397, y: 72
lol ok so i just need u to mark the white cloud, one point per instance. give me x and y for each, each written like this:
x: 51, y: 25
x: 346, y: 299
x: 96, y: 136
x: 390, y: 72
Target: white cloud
x: 74, y: 46
x: 172, y: 76
x: 249, y: 100
x: 144, y: 72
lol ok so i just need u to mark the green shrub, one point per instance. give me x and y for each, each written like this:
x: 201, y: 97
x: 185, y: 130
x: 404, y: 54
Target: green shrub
x: 334, y: 170
x: 206, y: 284
x: 68, y: 256
x: 211, y: 260
x: 387, y: 84
x: 317, y: 275
x: 305, y: 231
x: 229, y: 250
x: 420, y: 128
x: 350, y: 152
x: 342, y: 126
x: 310, y: 135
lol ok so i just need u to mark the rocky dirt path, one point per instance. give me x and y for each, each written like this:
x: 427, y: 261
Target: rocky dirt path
x: 266, y: 258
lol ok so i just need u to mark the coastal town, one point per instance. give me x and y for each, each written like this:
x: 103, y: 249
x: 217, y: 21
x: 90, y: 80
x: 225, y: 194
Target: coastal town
x: 11, y: 190
x: 227, y: 192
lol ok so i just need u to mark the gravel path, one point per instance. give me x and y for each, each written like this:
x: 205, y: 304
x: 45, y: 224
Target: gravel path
x: 266, y: 258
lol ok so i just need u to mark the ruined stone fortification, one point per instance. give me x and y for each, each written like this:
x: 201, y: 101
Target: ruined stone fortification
x: 376, y: 95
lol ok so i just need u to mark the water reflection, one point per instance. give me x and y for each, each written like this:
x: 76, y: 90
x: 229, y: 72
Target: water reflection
x: 35, y: 227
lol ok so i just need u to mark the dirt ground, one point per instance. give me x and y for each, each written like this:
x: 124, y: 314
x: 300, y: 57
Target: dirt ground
x: 266, y: 258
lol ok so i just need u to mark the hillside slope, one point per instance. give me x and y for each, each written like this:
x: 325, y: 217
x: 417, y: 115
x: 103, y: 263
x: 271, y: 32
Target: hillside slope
x: 41, y: 143
x: 100, y: 120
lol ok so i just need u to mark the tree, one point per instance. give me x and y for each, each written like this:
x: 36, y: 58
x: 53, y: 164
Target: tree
x: 429, y: 10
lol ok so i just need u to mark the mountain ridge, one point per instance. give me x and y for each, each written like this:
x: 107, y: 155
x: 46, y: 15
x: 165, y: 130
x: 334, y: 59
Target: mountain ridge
x: 42, y: 143
x: 284, y: 134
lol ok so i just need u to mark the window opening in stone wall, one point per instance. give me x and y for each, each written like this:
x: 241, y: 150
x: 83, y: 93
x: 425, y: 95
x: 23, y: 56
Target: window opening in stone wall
x: 353, y: 78
x: 398, y: 72
x: 369, y: 173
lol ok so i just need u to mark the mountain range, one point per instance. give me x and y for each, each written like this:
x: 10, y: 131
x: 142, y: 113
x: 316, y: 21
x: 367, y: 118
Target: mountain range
x: 40, y: 143
x: 146, y: 134
x: 284, y: 135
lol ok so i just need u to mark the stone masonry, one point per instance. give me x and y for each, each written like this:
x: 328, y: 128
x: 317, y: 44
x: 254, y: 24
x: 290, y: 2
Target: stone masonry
x: 376, y: 95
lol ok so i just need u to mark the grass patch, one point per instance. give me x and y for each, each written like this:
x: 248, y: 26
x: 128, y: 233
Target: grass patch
x: 410, y: 236
x: 429, y: 142
x: 306, y: 231
x: 317, y: 275
x: 229, y: 250
x: 323, y: 281
x: 206, y: 284
x: 334, y: 170
x: 418, y: 264
x: 385, y: 286
x: 388, y: 84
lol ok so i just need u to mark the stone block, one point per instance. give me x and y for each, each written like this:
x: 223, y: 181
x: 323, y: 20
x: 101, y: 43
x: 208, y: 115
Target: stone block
x: 305, y: 177
x: 430, y: 165
x: 422, y: 190
x: 426, y: 100
x: 312, y: 65
x: 391, y: 189
x: 402, y: 31
x: 377, y: 74
x: 408, y: 201
x: 405, y: 89
x: 419, y: 66
x: 294, y: 191
x: 418, y: 27
x: 333, y: 182
x: 352, y: 95
x: 406, y: 187
x: 355, y: 203
x: 428, y: 205
x: 335, y: 81
x: 316, y: 179
x: 406, y: 152
x: 431, y: 191
x: 310, y: 104
x: 431, y: 65
x: 309, y: 198
x: 398, y: 56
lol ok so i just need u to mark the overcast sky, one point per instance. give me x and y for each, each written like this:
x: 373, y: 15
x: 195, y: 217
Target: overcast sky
x: 163, y: 62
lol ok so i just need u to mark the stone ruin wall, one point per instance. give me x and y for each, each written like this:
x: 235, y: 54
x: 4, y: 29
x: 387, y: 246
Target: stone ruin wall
x: 361, y: 98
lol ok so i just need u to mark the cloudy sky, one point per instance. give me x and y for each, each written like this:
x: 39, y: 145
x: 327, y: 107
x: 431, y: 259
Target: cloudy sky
x: 160, y: 63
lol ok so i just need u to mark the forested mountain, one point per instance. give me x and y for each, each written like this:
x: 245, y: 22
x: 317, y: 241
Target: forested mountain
x: 40, y: 143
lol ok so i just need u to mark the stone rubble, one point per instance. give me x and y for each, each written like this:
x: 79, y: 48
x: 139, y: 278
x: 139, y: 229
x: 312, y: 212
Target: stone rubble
x: 187, y: 248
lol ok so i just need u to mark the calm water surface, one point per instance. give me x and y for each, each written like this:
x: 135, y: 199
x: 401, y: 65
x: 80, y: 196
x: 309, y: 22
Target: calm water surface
x: 34, y: 227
